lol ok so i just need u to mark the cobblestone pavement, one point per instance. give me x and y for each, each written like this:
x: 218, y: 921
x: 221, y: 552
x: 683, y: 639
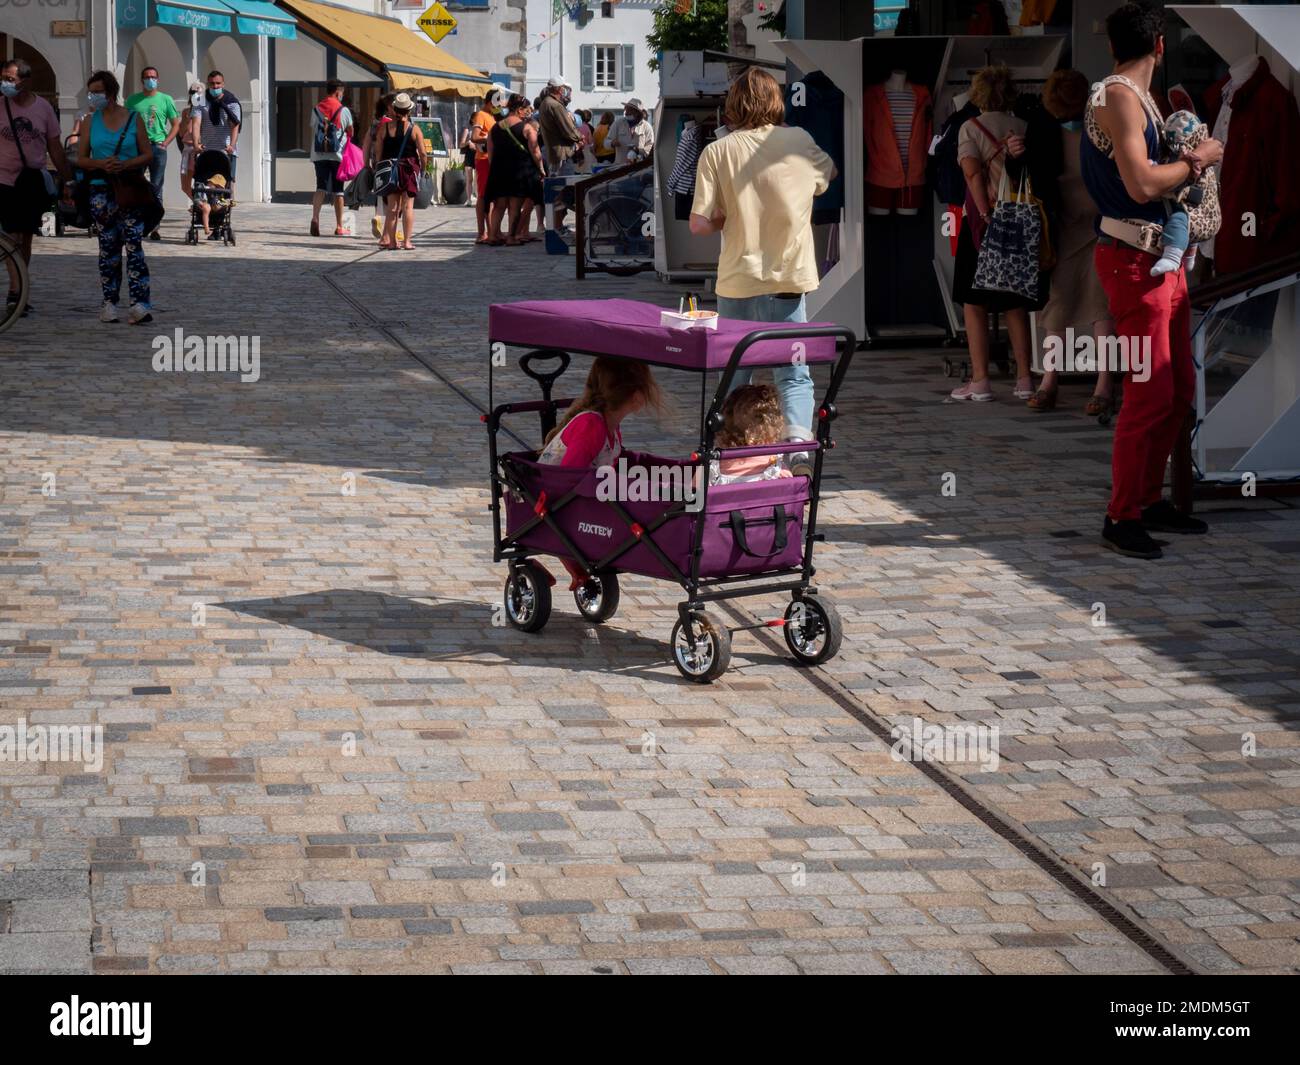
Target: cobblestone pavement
x: 337, y: 763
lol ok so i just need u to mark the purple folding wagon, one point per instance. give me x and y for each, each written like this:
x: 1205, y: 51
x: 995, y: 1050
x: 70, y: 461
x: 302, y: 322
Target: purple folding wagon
x: 718, y: 542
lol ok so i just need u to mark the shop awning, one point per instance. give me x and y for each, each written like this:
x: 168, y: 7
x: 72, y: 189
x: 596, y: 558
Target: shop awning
x: 194, y: 14
x: 412, y: 63
x: 260, y: 18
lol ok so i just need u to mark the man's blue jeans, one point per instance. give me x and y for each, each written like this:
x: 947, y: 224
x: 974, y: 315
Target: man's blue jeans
x: 793, y: 383
x: 157, y: 169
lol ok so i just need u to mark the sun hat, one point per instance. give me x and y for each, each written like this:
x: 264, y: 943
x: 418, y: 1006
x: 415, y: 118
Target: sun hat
x: 403, y: 102
x: 558, y: 83
x: 634, y: 102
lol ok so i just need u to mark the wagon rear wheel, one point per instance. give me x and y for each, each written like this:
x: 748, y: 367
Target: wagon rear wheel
x: 598, y: 597
x: 528, y: 597
x: 705, y: 658
x: 812, y: 630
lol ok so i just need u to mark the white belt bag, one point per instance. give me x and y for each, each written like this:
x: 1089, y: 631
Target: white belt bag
x: 1144, y: 236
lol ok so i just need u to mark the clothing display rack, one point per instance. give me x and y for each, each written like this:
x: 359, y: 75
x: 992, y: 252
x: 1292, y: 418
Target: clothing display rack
x: 1254, y: 428
x: 893, y: 255
x: 690, y: 84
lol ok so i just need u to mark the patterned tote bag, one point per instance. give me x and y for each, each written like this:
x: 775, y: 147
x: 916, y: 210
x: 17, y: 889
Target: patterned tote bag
x: 1009, y: 251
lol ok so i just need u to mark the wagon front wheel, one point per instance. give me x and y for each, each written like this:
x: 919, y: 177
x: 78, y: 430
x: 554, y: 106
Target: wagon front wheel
x: 706, y: 657
x: 597, y: 598
x: 812, y: 630
x: 528, y: 597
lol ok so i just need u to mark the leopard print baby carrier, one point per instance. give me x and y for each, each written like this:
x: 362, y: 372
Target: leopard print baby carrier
x: 1203, y: 217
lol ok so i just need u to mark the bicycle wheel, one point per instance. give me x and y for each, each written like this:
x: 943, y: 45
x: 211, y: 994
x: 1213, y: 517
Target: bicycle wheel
x: 15, y: 270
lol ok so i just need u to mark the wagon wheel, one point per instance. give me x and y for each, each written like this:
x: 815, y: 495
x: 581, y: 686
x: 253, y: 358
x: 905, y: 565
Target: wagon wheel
x: 812, y: 630
x: 597, y: 598
x: 528, y: 597
x: 948, y: 368
x: 706, y: 658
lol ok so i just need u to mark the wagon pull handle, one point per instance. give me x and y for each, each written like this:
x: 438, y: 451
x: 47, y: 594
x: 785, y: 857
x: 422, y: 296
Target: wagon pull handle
x: 779, y: 539
x: 545, y: 378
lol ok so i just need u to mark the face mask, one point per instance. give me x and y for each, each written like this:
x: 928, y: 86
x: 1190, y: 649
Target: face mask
x: 150, y: 84
x: 96, y: 100
x: 216, y: 92
x: 9, y: 88
x: 196, y: 99
x: 1073, y: 125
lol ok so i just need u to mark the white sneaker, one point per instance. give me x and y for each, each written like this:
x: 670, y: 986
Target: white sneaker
x: 108, y: 312
x: 139, y: 314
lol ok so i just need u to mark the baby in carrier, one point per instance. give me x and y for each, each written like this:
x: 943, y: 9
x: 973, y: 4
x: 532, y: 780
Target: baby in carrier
x: 751, y: 416
x: 1182, y: 132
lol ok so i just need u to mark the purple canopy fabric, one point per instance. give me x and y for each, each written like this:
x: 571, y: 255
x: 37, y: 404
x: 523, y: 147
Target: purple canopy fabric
x: 631, y: 330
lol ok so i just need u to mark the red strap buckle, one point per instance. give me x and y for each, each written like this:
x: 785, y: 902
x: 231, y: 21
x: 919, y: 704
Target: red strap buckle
x: 482, y: 417
x: 539, y: 508
x: 637, y: 530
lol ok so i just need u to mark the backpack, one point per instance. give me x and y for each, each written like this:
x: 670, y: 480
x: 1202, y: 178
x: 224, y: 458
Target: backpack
x: 945, y: 172
x: 329, y: 137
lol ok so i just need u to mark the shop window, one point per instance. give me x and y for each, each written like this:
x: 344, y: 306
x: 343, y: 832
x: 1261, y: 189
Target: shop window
x: 295, y: 103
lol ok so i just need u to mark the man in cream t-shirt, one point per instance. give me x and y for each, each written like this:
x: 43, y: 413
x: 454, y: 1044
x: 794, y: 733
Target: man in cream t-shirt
x: 756, y: 186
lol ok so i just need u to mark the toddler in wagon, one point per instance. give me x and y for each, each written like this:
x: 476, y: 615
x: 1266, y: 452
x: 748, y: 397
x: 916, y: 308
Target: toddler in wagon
x: 590, y: 432
x: 751, y: 416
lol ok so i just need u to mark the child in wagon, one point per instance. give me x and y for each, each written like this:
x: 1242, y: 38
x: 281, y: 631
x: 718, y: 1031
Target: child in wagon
x: 751, y: 416
x: 590, y: 432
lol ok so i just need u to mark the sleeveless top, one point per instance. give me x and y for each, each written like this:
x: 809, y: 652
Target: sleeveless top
x: 1097, y: 162
x: 395, y: 145
x: 104, y: 141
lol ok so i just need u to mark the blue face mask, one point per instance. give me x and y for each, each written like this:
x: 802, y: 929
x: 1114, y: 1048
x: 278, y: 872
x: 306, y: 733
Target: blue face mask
x: 216, y: 93
x: 150, y: 84
x: 1073, y: 125
x: 9, y: 88
x: 96, y: 100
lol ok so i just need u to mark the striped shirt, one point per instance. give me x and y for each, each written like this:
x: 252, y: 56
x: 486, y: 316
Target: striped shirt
x: 217, y: 134
x: 682, y: 179
x: 902, y: 102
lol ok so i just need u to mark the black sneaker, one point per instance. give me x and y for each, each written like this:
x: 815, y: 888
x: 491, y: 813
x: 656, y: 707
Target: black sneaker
x: 1129, y: 538
x: 1165, y: 517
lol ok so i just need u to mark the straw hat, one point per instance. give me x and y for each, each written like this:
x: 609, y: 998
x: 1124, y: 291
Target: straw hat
x: 403, y: 102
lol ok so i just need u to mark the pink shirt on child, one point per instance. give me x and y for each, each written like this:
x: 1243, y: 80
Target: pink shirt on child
x: 585, y: 441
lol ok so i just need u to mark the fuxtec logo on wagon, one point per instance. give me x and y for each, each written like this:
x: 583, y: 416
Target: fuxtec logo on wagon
x: 595, y: 530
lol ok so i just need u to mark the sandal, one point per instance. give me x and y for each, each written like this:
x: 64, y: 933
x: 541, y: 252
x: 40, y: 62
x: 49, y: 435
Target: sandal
x: 408, y: 246
x: 386, y: 247
x: 1099, y: 405
x: 1043, y: 400
x: 341, y: 232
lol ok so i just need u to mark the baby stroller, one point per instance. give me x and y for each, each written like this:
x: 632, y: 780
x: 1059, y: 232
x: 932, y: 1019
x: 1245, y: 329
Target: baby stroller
x: 730, y: 540
x: 211, y: 186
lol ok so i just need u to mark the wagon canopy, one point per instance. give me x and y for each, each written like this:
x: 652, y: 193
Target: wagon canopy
x: 629, y: 329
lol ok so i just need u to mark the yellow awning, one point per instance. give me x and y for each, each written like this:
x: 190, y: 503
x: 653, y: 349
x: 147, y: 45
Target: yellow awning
x: 412, y: 63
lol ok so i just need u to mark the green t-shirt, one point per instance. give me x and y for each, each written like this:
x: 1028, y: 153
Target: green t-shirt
x: 157, y: 112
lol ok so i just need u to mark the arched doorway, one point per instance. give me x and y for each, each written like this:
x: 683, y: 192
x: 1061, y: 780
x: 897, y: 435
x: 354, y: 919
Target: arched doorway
x: 225, y: 55
x: 43, y: 80
x: 155, y: 47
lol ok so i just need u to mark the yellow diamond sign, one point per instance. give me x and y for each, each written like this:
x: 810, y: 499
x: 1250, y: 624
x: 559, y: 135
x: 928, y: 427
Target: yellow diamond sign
x: 437, y: 22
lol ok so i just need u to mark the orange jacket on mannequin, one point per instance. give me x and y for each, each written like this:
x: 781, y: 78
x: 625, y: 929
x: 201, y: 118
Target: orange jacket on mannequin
x: 884, y: 161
